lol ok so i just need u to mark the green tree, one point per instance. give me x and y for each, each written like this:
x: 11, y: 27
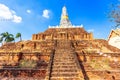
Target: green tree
x: 18, y: 35
x: 6, y: 37
x: 1, y: 39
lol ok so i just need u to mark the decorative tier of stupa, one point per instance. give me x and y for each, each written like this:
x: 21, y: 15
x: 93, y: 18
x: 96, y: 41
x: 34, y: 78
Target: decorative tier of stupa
x: 64, y: 31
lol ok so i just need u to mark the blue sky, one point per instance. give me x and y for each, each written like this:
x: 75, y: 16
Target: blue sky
x: 34, y: 16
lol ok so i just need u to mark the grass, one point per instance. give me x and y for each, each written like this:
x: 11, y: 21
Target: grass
x: 101, y: 64
x: 90, y: 50
x: 27, y: 64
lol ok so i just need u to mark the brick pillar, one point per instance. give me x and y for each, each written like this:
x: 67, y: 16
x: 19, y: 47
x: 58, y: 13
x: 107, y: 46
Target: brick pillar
x: 34, y: 37
x: 91, y: 36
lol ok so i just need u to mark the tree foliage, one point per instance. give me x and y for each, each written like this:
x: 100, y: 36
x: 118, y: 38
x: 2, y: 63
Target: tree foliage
x: 114, y: 13
x: 18, y: 35
x: 6, y: 37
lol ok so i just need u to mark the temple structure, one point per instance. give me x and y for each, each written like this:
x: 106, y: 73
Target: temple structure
x: 114, y: 38
x: 64, y: 31
x: 63, y: 52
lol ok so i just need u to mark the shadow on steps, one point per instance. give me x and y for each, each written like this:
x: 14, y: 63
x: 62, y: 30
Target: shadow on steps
x: 83, y: 70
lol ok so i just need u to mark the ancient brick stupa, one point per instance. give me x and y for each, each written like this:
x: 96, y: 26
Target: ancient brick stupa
x: 63, y: 52
x: 65, y: 31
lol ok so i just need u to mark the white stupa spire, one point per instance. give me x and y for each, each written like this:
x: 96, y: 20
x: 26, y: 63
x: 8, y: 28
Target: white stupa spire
x: 64, y: 22
x: 64, y: 11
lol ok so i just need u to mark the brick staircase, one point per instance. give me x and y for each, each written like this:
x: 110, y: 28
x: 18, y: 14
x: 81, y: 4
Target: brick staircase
x: 65, y: 65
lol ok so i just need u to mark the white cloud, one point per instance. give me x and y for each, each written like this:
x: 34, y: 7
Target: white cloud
x: 46, y: 13
x: 28, y: 11
x: 17, y: 19
x: 8, y: 14
x: 90, y: 30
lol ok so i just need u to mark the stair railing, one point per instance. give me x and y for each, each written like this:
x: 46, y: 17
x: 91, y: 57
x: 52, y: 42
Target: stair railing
x: 49, y: 70
x: 77, y: 61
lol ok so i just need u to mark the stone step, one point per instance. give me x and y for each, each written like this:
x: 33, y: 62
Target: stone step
x: 68, y: 73
x: 64, y: 61
x: 70, y: 70
x: 58, y: 58
x: 65, y: 74
x: 72, y: 61
x: 66, y: 78
x: 64, y: 51
x: 64, y: 64
x: 63, y: 68
x: 64, y: 54
x: 62, y: 57
x: 68, y: 58
x: 22, y: 78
